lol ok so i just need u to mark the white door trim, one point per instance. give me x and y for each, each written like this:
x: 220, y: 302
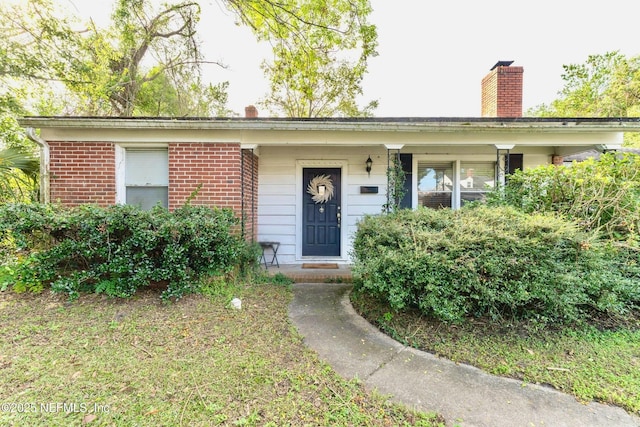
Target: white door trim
x: 343, y: 166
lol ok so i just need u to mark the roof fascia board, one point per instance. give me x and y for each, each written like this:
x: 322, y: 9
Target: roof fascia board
x: 396, y: 125
x: 328, y: 138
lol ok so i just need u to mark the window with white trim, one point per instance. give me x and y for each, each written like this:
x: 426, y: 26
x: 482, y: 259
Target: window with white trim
x: 445, y: 183
x: 146, y: 177
x: 476, y: 179
x: 435, y: 184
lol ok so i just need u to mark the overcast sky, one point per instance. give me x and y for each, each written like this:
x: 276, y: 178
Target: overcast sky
x: 434, y: 54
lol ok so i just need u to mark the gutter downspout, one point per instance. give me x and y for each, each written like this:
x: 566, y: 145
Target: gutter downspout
x: 44, y: 164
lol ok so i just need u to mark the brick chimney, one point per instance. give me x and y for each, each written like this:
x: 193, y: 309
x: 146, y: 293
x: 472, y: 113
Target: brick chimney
x: 502, y: 91
x: 250, y: 112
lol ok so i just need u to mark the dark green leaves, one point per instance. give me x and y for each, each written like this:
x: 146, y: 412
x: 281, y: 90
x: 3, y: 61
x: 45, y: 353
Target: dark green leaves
x: 495, y: 263
x: 118, y: 249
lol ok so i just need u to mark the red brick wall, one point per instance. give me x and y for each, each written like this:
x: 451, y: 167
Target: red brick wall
x: 489, y: 94
x: 215, y: 166
x: 502, y: 92
x: 218, y: 167
x: 82, y: 172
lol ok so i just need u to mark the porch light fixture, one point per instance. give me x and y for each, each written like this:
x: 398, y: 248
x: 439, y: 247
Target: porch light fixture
x: 369, y: 162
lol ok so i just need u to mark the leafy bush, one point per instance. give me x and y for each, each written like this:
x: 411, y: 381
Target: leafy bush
x: 24, y: 227
x: 18, y: 171
x: 494, y: 262
x: 601, y: 195
x: 118, y: 249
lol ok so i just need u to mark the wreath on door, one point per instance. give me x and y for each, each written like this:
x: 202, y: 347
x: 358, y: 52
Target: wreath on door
x: 321, y: 189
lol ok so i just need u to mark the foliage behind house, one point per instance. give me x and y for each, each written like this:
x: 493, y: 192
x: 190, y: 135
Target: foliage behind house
x: 601, y: 195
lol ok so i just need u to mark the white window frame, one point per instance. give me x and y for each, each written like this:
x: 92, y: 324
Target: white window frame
x: 121, y: 155
x: 477, y: 190
x: 455, y: 161
x: 431, y: 163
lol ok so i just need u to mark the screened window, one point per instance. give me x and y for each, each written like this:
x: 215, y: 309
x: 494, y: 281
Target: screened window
x: 147, y: 177
x: 435, y: 185
x: 476, y: 179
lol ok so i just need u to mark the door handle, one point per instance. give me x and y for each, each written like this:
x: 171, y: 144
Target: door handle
x: 338, y: 216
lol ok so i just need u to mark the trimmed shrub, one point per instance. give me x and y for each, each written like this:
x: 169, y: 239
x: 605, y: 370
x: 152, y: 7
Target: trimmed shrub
x: 118, y: 249
x: 497, y: 262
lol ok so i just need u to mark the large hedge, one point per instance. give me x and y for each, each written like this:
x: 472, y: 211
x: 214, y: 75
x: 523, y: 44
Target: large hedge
x: 601, y: 195
x: 495, y: 262
x: 118, y: 249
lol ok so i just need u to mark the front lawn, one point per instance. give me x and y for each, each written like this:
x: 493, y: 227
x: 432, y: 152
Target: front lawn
x: 529, y: 296
x: 195, y: 362
x: 591, y: 363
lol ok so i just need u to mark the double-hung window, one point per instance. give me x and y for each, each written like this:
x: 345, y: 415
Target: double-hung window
x: 146, y: 177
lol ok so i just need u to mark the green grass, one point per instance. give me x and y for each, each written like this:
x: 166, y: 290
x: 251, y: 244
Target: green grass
x: 195, y: 362
x: 588, y: 362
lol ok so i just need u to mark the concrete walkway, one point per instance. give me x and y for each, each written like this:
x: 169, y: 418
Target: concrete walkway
x: 464, y: 395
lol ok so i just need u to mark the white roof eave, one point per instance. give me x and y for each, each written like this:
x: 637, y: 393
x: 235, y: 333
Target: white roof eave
x: 373, y: 125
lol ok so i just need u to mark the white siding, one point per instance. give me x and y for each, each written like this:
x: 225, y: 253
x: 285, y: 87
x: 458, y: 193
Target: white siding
x: 279, y: 205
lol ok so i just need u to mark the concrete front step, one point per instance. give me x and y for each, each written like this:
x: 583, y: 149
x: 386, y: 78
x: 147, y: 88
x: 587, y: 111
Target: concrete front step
x: 301, y: 274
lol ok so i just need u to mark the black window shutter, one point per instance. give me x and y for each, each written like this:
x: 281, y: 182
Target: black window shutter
x: 407, y: 164
x: 515, y: 163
